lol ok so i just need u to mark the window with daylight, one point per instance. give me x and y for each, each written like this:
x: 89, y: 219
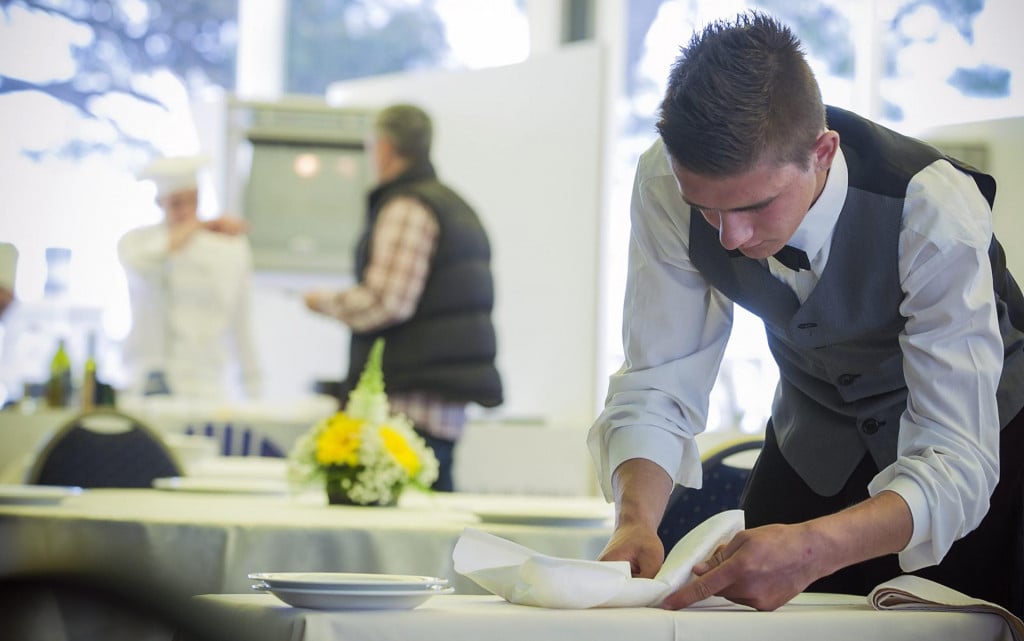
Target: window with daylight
x: 91, y: 89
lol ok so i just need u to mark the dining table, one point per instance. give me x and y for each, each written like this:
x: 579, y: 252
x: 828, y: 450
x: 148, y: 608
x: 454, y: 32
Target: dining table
x: 473, y: 617
x: 206, y: 534
x: 202, y: 541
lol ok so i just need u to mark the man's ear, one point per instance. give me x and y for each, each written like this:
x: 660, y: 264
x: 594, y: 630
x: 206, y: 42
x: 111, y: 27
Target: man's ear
x: 825, y: 149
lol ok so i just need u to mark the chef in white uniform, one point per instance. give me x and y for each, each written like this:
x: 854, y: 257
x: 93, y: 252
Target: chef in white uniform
x: 188, y: 282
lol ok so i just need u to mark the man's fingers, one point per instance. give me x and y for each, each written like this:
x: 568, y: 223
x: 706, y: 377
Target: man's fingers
x: 709, y: 584
x: 711, y: 562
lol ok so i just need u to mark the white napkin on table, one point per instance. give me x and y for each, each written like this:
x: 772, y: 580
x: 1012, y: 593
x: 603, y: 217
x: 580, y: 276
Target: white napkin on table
x: 521, y: 575
x: 909, y: 592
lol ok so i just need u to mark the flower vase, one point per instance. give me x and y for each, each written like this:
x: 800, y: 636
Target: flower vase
x: 338, y: 495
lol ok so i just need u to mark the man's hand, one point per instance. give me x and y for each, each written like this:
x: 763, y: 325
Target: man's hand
x: 640, y: 546
x: 767, y: 566
x: 763, y: 568
x: 641, y: 491
x: 319, y: 300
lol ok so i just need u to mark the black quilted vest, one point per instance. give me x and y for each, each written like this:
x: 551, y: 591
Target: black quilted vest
x: 448, y: 346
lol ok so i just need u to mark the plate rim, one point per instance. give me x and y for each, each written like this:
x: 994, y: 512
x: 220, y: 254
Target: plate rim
x: 372, y: 600
x: 525, y: 518
x: 25, y: 494
x: 384, y: 582
x: 210, y: 485
x: 369, y: 593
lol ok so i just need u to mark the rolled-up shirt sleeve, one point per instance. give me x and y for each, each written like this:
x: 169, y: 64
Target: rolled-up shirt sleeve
x: 405, y: 237
x: 948, y: 451
x: 675, y: 329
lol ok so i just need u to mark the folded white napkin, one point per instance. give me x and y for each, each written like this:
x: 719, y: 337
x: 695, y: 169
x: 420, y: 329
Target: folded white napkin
x: 908, y: 592
x: 520, y: 575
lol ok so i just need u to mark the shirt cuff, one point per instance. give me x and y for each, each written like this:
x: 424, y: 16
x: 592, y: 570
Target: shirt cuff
x: 676, y: 455
x: 919, y: 551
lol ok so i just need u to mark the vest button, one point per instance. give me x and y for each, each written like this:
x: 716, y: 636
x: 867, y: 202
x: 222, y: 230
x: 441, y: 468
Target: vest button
x: 847, y: 379
x: 870, y: 426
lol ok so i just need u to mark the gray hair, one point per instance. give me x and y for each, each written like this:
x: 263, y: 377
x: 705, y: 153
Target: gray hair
x: 408, y: 128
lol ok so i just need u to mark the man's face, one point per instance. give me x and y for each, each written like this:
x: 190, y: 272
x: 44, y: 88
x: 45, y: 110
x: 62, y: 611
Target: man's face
x: 758, y: 211
x: 382, y: 154
x: 180, y: 206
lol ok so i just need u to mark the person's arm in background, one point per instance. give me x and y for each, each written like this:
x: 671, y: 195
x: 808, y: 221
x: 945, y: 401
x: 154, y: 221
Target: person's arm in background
x: 145, y: 249
x: 403, y: 242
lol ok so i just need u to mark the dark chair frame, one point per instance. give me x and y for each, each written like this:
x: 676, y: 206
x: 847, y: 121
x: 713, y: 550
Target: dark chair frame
x: 77, y: 455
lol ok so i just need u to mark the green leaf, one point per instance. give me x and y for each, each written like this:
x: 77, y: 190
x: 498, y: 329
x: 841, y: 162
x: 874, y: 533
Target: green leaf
x: 368, y: 400
x: 371, y: 381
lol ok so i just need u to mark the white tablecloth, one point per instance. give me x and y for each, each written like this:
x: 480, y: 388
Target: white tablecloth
x: 208, y: 543
x: 471, y: 618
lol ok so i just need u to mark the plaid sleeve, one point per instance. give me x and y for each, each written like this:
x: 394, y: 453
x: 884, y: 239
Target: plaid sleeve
x: 404, y: 239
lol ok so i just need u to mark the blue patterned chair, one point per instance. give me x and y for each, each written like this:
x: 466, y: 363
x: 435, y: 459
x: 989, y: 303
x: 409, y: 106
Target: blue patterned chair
x: 722, y: 488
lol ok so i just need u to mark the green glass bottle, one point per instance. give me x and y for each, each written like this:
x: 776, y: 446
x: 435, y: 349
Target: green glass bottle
x: 58, y: 388
x: 89, y: 376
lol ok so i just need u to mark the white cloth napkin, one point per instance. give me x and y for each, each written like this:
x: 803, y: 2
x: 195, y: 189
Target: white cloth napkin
x: 908, y: 592
x: 521, y: 575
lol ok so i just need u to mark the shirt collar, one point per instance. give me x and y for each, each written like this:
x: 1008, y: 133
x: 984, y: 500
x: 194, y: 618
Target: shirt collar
x: 816, y: 227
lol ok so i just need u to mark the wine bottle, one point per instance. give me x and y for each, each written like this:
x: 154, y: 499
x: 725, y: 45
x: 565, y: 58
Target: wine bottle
x: 58, y: 388
x: 89, y: 376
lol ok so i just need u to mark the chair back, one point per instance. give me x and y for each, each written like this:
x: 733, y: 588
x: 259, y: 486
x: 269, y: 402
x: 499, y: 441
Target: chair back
x: 238, y: 439
x: 103, y: 448
x: 721, y: 490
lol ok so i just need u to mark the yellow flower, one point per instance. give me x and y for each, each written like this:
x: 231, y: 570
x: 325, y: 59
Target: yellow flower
x: 339, y: 443
x: 400, y: 450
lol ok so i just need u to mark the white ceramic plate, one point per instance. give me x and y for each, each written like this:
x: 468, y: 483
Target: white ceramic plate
x: 550, y: 517
x: 348, y: 581
x: 353, y: 599
x: 35, y: 494
x: 227, y: 485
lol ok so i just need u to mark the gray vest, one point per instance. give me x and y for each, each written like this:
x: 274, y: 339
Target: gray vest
x: 841, y: 390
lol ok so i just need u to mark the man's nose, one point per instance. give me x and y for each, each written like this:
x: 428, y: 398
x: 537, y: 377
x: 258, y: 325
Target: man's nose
x: 734, y: 230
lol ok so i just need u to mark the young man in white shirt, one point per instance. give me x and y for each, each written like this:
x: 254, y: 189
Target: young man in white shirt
x: 896, y: 329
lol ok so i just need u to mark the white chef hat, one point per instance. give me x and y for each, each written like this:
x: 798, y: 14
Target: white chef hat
x: 172, y: 174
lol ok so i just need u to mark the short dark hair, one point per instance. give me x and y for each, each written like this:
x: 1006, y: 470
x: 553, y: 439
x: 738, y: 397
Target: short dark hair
x: 739, y: 93
x: 408, y: 128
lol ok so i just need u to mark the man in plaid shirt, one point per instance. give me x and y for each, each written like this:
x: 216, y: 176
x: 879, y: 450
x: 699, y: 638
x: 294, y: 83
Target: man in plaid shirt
x: 425, y: 286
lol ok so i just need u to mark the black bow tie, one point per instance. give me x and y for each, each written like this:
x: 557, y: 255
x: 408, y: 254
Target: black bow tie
x: 795, y: 259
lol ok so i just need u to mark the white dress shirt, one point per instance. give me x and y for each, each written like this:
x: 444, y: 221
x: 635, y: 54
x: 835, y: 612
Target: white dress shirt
x: 675, y: 328
x: 190, y: 312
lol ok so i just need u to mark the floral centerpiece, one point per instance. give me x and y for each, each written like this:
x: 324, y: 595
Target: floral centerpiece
x: 363, y: 454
